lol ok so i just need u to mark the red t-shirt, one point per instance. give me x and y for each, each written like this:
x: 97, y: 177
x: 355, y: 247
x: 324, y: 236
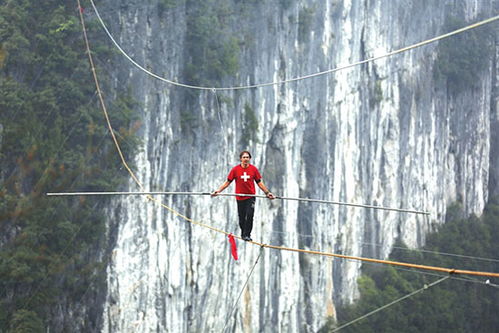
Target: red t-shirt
x: 245, y: 179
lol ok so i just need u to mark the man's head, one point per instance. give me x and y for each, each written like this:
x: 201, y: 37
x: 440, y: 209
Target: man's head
x: 244, y: 152
x: 245, y: 157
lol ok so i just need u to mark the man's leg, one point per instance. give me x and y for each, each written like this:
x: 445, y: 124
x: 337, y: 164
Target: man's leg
x: 241, y: 212
x: 246, y: 210
x: 250, y: 212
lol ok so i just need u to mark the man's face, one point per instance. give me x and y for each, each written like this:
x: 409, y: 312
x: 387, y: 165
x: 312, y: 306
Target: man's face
x: 245, y: 159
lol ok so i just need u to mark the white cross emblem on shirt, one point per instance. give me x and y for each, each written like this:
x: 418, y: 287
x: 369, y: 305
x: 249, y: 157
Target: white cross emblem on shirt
x: 245, y: 177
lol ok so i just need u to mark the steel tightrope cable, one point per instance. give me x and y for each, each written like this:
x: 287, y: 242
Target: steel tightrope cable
x: 331, y: 202
x: 229, y: 317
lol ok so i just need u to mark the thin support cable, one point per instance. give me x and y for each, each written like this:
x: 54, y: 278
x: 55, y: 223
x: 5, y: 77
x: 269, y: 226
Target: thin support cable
x: 242, y: 289
x: 392, y: 303
x: 436, y: 252
x: 304, y: 77
x: 135, y: 63
x: 222, y: 132
x: 486, y: 282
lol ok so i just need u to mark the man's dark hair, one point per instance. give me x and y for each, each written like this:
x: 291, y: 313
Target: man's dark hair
x: 244, y: 151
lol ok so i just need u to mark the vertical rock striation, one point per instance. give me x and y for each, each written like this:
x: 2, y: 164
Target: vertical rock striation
x: 386, y: 133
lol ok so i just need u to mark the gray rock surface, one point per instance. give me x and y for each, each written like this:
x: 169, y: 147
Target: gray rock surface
x: 385, y: 133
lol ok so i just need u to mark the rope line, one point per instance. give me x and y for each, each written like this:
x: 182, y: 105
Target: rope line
x: 391, y: 303
x: 101, y: 98
x: 304, y: 77
x: 173, y: 211
x: 241, y: 195
x: 242, y: 289
x: 437, y: 253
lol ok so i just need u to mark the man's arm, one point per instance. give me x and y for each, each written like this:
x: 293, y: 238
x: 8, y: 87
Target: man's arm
x: 265, y: 190
x: 221, y: 188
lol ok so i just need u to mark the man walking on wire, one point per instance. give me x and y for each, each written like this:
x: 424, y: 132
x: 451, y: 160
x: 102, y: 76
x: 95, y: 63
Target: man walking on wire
x: 246, y: 175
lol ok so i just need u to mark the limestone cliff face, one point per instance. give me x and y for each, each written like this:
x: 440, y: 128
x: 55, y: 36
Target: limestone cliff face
x: 387, y: 133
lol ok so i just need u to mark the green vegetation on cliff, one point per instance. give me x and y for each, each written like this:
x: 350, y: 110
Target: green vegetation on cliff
x: 452, y: 306
x: 52, y: 138
x: 212, y: 50
x: 461, y: 58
